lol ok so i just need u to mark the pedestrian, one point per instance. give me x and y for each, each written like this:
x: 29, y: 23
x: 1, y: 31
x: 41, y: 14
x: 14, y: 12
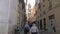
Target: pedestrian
x: 30, y: 24
x: 34, y: 29
x: 26, y: 28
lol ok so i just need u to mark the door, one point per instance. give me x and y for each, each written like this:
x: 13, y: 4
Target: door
x: 52, y: 23
x: 44, y: 23
x: 40, y: 24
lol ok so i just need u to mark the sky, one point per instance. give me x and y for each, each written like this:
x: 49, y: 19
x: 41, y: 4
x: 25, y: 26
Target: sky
x: 32, y: 2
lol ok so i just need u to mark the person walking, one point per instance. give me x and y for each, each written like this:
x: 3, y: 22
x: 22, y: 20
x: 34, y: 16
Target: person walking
x: 26, y: 28
x: 30, y: 24
x: 34, y: 29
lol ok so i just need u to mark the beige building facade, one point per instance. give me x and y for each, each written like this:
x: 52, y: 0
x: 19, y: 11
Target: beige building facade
x: 33, y: 17
x: 49, y: 15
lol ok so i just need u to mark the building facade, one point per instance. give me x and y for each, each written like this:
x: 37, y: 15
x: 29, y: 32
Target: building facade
x: 21, y: 15
x: 49, y: 15
x: 21, y: 12
x: 12, y: 14
x: 29, y: 12
x: 37, y: 12
x: 8, y: 16
x: 33, y: 16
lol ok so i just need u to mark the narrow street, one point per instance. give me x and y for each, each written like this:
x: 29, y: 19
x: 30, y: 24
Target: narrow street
x: 29, y: 16
x: 40, y: 32
x: 43, y: 32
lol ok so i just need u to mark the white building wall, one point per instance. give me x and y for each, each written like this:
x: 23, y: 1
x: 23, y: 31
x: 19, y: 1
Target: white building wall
x: 8, y: 16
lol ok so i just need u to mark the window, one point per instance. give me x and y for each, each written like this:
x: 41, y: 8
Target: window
x: 43, y: 5
x: 51, y: 17
x: 23, y: 5
x: 48, y: 0
x: 44, y: 23
x: 39, y: 6
x: 50, y: 4
x: 43, y: 0
x: 40, y: 24
x: 35, y: 13
x: 44, y: 12
x: 40, y: 15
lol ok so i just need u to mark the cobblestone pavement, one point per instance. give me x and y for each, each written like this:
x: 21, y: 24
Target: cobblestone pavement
x: 43, y: 32
x: 40, y: 32
x: 46, y: 32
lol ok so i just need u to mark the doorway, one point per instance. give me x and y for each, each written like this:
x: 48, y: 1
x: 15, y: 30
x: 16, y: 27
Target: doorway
x: 52, y: 23
x: 44, y: 23
x: 40, y: 24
